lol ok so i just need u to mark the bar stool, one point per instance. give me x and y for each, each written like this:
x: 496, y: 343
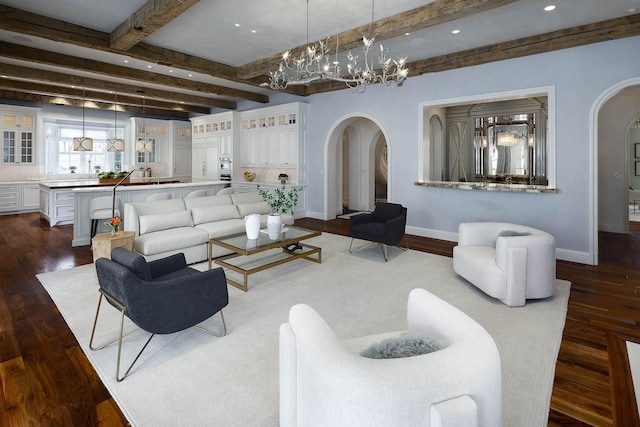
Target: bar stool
x: 227, y: 190
x: 197, y: 193
x: 100, y: 209
x: 158, y: 196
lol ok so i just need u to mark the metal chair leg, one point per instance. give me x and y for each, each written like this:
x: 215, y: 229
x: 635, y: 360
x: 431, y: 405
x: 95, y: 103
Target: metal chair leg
x: 224, y: 327
x: 384, y: 251
x: 351, y: 250
x: 121, y: 335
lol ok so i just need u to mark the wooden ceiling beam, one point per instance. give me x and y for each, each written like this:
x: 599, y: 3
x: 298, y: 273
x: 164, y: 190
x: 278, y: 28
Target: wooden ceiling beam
x: 72, y: 102
x: 121, y: 99
x: 21, y: 72
x: 151, y: 16
x: 23, y: 22
x: 437, y: 12
x: 627, y: 26
x: 38, y: 56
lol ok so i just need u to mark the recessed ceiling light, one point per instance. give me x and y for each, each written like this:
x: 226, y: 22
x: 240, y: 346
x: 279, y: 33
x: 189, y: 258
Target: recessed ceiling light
x: 190, y: 75
x: 632, y: 10
x: 456, y: 31
x: 236, y: 25
x: 253, y: 31
x: 126, y: 61
x: 171, y: 71
x: 406, y: 34
x: 148, y: 66
x: 550, y: 8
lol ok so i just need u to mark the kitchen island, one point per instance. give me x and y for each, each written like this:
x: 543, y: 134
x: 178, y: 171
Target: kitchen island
x: 72, y: 201
x: 56, y: 197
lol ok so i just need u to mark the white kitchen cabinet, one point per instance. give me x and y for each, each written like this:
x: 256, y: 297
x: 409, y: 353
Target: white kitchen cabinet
x: 213, y: 138
x: 18, y: 132
x: 9, y: 197
x: 30, y: 197
x: 56, y: 205
x: 204, y: 164
x: 273, y: 140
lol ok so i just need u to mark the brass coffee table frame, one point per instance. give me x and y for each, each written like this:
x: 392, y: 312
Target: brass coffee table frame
x: 263, y: 243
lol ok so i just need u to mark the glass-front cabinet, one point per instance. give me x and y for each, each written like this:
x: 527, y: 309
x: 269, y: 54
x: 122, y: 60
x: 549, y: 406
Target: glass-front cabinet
x: 18, y: 138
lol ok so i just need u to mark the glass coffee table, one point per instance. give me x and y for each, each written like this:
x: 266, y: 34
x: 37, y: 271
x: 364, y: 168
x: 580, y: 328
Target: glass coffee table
x: 252, y: 256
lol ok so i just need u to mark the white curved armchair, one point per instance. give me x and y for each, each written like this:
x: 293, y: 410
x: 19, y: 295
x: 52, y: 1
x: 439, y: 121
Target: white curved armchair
x: 325, y: 382
x: 511, y: 268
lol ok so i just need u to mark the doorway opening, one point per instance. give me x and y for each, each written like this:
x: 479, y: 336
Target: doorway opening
x: 356, y: 166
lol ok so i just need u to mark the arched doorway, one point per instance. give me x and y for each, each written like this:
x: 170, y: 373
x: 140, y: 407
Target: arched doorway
x: 599, y: 168
x: 356, y: 170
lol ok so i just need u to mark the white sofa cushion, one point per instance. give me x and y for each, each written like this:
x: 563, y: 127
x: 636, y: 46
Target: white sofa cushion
x: 165, y: 221
x: 208, y: 201
x: 170, y: 240
x: 212, y: 214
x: 223, y: 227
x: 254, y: 208
x: 249, y: 197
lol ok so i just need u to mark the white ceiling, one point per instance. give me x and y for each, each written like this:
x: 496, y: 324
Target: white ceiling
x: 208, y: 29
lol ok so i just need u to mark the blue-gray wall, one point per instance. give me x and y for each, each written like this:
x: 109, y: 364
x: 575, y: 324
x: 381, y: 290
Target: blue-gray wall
x: 580, y: 75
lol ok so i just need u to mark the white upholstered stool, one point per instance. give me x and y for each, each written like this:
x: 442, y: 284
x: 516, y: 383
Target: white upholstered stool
x: 100, y: 208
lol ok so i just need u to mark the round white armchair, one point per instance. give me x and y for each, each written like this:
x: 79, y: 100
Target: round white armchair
x: 510, y: 262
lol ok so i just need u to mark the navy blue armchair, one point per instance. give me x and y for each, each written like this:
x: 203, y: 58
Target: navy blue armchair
x: 161, y: 297
x: 385, y: 226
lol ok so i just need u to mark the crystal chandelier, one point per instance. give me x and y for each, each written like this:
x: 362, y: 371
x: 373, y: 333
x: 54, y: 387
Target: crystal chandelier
x: 314, y: 65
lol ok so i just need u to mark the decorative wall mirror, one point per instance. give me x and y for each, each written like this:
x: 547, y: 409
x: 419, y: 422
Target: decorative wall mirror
x: 502, y: 141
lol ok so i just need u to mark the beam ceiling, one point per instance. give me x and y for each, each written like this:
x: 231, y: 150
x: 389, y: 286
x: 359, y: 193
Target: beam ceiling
x: 151, y: 16
x: 128, y: 38
x: 438, y: 12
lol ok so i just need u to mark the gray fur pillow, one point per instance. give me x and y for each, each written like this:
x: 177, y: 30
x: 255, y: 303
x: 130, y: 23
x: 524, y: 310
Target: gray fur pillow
x: 406, y: 345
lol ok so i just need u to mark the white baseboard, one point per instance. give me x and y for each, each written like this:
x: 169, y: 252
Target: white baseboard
x: 561, y: 254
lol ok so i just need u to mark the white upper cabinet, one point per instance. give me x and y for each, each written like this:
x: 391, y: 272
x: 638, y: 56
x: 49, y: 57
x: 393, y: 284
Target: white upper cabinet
x: 18, y: 131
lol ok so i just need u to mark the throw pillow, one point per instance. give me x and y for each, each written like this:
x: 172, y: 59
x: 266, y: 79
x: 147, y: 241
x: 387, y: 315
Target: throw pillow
x: 407, y: 345
x: 214, y: 213
x: 253, y: 208
x: 510, y: 233
x: 159, y: 222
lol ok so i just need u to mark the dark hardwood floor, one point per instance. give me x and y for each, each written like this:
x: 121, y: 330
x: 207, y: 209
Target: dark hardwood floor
x: 45, y: 379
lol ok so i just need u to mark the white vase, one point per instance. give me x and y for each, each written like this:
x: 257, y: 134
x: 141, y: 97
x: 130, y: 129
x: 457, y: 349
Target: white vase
x: 274, y: 226
x: 252, y: 226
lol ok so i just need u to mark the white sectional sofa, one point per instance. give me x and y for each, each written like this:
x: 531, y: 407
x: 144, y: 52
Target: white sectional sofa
x: 166, y: 227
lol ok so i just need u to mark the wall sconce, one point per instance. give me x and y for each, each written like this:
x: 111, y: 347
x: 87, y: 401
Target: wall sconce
x: 82, y: 144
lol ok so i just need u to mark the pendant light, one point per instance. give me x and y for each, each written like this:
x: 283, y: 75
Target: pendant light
x: 143, y: 145
x: 82, y: 144
x: 115, y: 143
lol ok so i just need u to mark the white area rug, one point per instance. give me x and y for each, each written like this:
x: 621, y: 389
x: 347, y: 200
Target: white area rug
x: 191, y: 378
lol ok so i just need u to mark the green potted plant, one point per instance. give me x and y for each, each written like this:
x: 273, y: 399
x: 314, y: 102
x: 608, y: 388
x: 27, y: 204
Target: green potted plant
x: 281, y: 201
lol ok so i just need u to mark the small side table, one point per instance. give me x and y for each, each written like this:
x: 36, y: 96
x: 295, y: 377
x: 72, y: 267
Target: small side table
x: 103, y: 243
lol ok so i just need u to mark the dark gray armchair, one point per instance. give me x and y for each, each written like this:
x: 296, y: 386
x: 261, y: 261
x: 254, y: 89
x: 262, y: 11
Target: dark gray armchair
x: 385, y: 226
x: 160, y: 297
